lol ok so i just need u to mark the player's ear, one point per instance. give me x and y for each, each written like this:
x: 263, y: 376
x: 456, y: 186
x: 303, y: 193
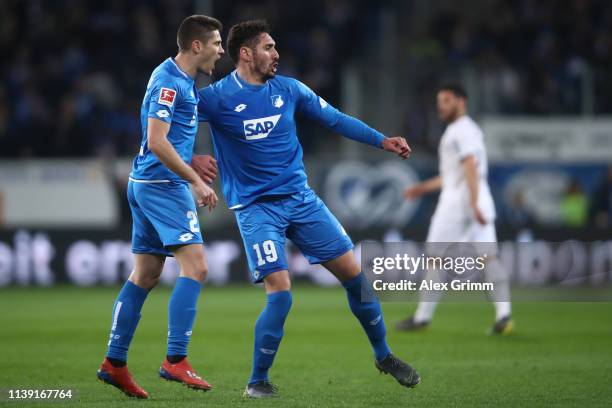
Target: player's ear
x: 246, y: 53
x: 196, y: 46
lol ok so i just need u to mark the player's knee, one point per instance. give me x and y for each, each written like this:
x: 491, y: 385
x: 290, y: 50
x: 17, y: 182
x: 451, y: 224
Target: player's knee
x: 202, y: 272
x: 197, y: 271
x: 145, y: 280
x: 151, y: 282
x: 277, y: 282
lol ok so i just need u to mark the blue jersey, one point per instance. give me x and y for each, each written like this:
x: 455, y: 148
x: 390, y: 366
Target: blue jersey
x: 173, y: 98
x: 254, y: 134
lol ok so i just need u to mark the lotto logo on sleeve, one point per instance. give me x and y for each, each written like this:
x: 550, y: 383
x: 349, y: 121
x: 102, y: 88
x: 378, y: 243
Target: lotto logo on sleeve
x: 166, y: 96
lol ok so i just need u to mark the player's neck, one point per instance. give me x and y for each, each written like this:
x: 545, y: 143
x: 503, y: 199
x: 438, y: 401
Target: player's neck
x: 249, y: 76
x: 459, y: 116
x: 186, y: 65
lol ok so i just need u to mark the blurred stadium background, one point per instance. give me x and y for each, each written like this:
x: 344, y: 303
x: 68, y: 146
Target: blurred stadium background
x: 539, y: 77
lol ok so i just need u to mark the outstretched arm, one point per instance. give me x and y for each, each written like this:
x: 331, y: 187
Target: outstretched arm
x: 318, y: 109
x: 355, y: 129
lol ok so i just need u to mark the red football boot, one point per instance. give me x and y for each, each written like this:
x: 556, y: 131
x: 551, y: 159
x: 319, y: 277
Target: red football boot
x: 183, y: 373
x: 121, y: 378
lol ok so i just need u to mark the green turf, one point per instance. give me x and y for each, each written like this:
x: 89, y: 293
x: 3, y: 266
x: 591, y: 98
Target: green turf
x: 561, y: 354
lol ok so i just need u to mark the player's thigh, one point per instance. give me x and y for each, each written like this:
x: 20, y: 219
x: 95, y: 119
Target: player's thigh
x: 192, y: 261
x: 171, y: 209
x: 447, y: 227
x: 483, y: 239
x: 147, y: 270
x: 262, y: 227
x: 316, y: 231
x: 477, y: 232
x: 145, y: 239
x: 345, y: 267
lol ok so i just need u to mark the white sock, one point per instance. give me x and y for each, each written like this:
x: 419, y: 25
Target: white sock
x: 502, y: 309
x: 500, y: 295
x: 428, y: 300
x: 425, y: 311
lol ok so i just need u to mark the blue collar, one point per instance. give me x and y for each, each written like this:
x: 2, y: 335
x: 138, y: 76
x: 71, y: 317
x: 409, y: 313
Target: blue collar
x: 180, y: 71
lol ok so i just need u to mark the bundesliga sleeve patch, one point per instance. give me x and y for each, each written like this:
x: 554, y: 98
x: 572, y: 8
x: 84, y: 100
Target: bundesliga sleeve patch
x: 166, y: 96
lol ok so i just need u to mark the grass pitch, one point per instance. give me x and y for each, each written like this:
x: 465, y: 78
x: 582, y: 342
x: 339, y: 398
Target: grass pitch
x: 560, y: 354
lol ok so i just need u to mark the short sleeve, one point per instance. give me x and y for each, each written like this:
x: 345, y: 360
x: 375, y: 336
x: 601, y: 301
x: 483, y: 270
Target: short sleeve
x: 464, y: 141
x: 163, y: 100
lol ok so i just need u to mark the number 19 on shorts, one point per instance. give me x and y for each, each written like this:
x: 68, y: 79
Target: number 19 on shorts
x: 269, y: 251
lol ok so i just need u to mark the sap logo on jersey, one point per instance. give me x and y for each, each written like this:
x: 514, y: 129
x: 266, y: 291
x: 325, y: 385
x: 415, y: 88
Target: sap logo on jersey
x: 259, y: 128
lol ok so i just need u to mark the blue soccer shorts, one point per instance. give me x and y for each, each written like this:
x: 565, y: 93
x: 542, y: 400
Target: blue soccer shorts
x: 164, y: 215
x: 303, y: 218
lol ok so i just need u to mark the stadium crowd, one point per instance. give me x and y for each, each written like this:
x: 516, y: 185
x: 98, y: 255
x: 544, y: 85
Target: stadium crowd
x: 529, y: 56
x: 73, y: 73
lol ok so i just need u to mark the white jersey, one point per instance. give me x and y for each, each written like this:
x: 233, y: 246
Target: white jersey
x: 462, y: 138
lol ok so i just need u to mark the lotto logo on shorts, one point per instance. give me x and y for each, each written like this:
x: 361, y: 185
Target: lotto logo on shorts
x: 166, y: 96
x: 186, y: 237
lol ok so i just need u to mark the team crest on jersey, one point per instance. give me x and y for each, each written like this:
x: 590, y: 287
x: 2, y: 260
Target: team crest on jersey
x: 166, y: 96
x: 277, y: 101
x: 259, y: 128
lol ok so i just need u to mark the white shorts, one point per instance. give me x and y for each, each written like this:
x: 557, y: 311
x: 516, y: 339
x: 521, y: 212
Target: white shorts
x: 447, y: 227
x: 480, y: 240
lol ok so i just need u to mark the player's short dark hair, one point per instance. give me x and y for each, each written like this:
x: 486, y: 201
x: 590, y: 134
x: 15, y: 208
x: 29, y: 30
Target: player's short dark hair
x: 245, y: 34
x: 196, y: 27
x: 455, y: 88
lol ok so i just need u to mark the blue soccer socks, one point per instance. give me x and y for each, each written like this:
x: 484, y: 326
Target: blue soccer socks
x: 181, y: 314
x: 268, y: 333
x: 126, y: 314
x: 369, y: 315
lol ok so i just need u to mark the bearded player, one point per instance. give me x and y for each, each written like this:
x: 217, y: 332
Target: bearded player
x: 251, y: 116
x: 465, y: 210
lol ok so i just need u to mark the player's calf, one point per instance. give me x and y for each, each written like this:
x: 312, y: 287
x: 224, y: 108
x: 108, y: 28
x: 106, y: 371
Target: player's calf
x: 369, y: 314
